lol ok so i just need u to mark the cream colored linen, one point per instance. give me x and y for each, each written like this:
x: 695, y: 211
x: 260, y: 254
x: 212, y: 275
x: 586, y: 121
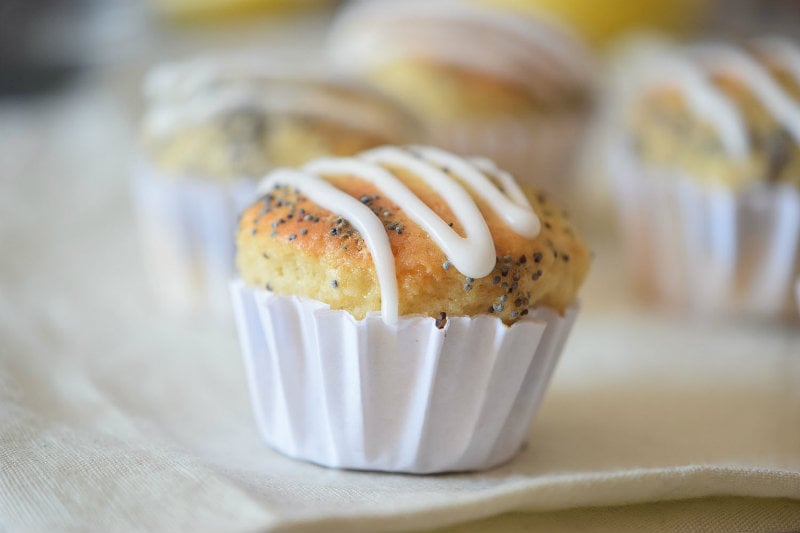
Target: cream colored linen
x: 710, y: 515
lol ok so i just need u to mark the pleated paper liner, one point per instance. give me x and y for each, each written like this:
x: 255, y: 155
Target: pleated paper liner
x: 343, y: 393
x: 713, y: 250
x: 187, y: 227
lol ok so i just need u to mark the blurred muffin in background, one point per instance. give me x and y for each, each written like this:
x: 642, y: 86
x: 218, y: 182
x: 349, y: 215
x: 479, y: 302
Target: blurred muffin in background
x: 707, y: 166
x: 212, y: 128
x: 483, y: 81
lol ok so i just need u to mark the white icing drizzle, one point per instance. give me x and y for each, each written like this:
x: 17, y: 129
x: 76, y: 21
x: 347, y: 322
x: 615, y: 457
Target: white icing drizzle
x: 512, y: 206
x: 185, y: 94
x: 739, y: 65
x: 473, y: 255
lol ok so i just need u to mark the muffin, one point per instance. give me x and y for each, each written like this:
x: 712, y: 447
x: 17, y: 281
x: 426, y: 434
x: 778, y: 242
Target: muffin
x: 484, y: 82
x: 402, y: 309
x: 211, y: 129
x: 708, y: 167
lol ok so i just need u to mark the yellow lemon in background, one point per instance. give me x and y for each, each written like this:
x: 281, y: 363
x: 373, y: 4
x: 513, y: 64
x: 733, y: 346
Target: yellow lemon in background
x: 599, y: 21
x: 214, y: 10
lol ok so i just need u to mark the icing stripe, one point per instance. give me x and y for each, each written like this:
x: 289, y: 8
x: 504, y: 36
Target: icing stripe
x: 473, y: 255
x: 512, y: 206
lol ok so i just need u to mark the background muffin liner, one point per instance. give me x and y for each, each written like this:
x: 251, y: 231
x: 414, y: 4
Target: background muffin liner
x: 713, y: 250
x: 187, y: 228
x: 538, y: 150
x: 406, y: 398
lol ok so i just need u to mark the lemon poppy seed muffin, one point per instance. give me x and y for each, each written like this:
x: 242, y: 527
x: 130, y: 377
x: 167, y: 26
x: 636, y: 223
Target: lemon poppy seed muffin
x: 290, y: 245
x: 474, y: 281
x: 707, y: 167
x: 749, y: 131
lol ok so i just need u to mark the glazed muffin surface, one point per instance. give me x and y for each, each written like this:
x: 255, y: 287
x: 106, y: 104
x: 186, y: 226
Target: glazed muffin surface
x: 668, y: 132
x: 228, y: 125
x: 290, y: 245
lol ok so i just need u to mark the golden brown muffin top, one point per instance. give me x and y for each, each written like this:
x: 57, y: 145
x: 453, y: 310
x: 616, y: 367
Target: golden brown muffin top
x: 291, y: 245
x: 753, y: 136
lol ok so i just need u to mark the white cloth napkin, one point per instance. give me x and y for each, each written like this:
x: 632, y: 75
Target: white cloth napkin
x: 114, y: 417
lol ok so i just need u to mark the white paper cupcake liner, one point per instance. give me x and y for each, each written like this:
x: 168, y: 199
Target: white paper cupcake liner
x: 411, y: 398
x: 187, y: 228
x: 713, y: 250
x: 538, y: 150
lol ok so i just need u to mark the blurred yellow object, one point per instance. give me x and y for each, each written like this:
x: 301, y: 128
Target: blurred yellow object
x: 600, y: 21
x: 214, y: 10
